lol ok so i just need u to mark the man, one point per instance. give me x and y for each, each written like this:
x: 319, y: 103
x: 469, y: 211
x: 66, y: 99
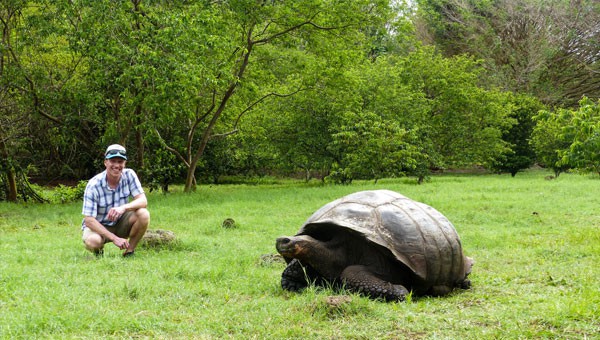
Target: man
x: 109, y: 215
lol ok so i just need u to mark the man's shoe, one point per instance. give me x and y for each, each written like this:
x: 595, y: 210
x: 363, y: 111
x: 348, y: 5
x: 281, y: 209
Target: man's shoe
x: 99, y: 253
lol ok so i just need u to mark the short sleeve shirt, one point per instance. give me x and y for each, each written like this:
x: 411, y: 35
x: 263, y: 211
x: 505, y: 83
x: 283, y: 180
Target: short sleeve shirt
x: 98, y: 197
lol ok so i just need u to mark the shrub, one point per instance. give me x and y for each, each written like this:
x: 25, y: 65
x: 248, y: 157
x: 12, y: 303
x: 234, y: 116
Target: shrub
x: 66, y: 194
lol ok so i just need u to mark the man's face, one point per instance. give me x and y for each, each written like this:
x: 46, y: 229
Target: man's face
x: 114, y: 166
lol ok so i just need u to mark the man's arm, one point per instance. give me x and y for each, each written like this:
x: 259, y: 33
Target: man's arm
x: 138, y: 202
x: 98, y: 228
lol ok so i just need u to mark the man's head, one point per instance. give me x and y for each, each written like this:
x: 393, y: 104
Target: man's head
x: 115, y: 150
x: 115, y: 158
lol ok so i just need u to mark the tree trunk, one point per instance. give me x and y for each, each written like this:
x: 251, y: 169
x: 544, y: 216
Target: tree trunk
x: 190, y: 180
x: 11, y: 177
x: 139, y: 139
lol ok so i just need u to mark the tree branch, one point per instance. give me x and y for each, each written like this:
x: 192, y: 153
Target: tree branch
x: 296, y: 27
x: 261, y: 99
x: 219, y: 135
x: 172, y: 150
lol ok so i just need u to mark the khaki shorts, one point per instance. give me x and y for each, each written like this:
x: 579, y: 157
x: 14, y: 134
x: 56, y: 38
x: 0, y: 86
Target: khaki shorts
x: 122, y: 228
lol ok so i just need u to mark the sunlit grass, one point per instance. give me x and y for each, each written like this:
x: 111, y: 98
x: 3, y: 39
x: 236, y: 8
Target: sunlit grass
x: 536, y: 244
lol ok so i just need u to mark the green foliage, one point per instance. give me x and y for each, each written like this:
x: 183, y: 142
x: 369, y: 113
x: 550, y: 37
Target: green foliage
x: 584, y: 129
x: 392, y: 117
x: 548, y: 141
x: 4, y: 186
x: 458, y: 122
x: 298, y: 134
x: 339, y: 174
x: 520, y: 154
x: 370, y: 148
x: 317, y: 88
x: 162, y: 170
x: 66, y: 194
x: 569, y: 138
x: 234, y: 155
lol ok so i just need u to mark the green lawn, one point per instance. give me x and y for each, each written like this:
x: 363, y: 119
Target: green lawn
x: 536, y: 244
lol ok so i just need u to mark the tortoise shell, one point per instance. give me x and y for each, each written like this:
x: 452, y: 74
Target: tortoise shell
x: 417, y: 235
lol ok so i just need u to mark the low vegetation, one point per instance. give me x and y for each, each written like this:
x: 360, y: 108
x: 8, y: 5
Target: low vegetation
x: 536, y: 243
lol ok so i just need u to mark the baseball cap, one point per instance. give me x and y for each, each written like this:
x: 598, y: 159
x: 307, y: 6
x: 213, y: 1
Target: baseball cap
x: 115, y: 150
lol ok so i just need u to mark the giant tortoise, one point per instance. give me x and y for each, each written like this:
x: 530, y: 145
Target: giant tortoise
x: 378, y: 243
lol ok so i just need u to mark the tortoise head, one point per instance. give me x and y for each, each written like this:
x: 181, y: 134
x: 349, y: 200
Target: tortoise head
x: 326, y: 253
x: 295, y: 247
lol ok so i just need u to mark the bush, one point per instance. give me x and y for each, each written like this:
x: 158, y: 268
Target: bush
x: 66, y: 194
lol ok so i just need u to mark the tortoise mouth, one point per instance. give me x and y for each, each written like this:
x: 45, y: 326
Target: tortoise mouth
x: 285, y: 246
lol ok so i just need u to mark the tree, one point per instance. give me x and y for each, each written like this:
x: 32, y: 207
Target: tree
x: 549, y: 140
x: 129, y: 65
x: 397, y: 116
x: 40, y: 74
x: 520, y: 154
x: 460, y: 122
x: 569, y: 138
x: 242, y: 87
x: 298, y: 132
x: 371, y: 148
x: 380, y: 128
x: 584, y: 132
x: 548, y: 49
x: 13, y: 97
x: 239, y: 30
x: 8, y: 176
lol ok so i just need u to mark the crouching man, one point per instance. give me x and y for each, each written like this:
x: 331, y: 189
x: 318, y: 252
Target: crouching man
x: 109, y: 214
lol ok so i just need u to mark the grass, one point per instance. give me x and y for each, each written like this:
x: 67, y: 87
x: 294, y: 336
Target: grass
x: 536, y: 244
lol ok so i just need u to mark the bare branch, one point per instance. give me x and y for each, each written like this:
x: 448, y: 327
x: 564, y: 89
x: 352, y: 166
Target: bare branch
x: 249, y: 108
x: 219, y: 135
x: 261, y: 99
x: 296, y: 27
x: 172, y: 150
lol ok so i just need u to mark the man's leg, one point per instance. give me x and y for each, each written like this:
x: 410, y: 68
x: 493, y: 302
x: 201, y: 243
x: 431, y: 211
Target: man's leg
x: 139, y: 224
x: 93, y: 241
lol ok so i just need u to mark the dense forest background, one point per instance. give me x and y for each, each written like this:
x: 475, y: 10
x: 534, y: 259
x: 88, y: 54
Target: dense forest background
x: 199, y: 91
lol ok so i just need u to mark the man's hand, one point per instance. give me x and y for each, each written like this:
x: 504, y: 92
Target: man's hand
x: 115, y: 213
x: 122, y: 243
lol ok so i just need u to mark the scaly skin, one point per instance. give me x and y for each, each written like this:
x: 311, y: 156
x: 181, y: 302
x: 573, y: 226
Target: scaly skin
x: 360, y: 279
x: 321, y: 263
x: 296, y: 276
x: 293, y: 278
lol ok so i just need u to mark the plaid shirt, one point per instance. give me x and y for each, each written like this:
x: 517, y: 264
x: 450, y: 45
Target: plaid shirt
x: 99, y: 197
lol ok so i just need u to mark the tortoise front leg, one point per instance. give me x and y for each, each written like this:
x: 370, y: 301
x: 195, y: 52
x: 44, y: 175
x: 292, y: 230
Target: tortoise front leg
x: 360, y: 279
x: 296, y: 276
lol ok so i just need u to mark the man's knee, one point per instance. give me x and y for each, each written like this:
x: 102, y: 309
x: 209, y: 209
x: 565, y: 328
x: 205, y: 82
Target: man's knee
x: 143, y: 216
x: 94, y: 242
